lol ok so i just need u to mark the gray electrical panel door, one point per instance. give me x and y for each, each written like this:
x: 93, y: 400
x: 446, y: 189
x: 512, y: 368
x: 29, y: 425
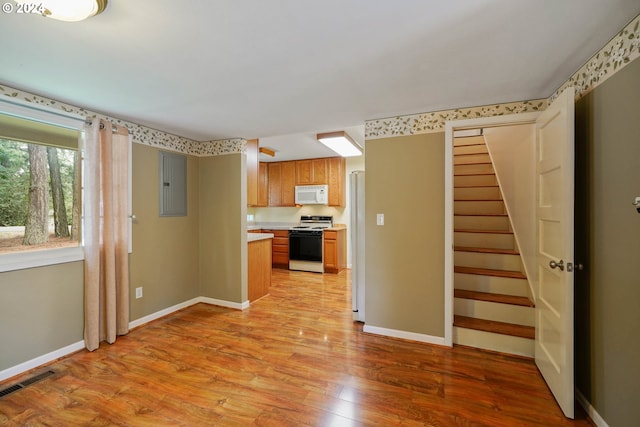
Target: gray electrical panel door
x: 173, y: 184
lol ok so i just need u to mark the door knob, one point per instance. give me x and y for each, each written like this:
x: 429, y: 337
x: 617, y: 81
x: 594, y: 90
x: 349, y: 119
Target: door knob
x: 559, y: 264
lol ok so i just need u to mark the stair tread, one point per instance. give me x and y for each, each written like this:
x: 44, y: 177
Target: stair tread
x: 476, y: 214
x: 476, y: 186
x: 472, y: 230
x: 478, y: 200
x: 491, y: 297
x: 494, y: 326
x: 473, y: 163
x: 489, y: 272
x: 456, y: 144
x: 486, y: 250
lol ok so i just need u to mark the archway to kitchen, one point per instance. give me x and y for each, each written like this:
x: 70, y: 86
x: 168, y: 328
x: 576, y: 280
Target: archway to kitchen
x: 299, y: 159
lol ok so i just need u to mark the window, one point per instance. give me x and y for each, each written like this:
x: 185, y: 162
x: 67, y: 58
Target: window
x: 40, y: 187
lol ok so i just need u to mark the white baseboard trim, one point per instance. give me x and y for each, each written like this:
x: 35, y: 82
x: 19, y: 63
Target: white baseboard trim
x: 40, y: 360
x: 223, y: 303
x: 72, y: 348
x: 429, y: 339
x: 591, y: 411
x: 158, y: 314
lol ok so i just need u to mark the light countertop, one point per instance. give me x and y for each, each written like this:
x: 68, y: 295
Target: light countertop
x: 253, y: 237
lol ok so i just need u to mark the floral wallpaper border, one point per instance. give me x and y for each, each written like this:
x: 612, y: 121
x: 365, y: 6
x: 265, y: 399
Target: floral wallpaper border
x: 621, y: 50
x: 141, y: 134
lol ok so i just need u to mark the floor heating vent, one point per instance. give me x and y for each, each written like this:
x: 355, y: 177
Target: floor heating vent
x: 26, y: 383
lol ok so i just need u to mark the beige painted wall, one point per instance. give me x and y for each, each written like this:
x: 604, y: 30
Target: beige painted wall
x: 40, y: 311
x: 404, y: 258
x: 608, y: 243
x: 165, y: 249
x: 512, y: 150
x: 223, y: 236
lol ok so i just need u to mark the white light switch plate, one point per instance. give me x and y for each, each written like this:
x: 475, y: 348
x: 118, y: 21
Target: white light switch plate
x: 139, y: 292
x: 380, y: 219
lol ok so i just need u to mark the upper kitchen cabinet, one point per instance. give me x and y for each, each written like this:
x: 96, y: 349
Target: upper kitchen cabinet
x: 311, y: 172
x: 252, y: 172
x: 336, y: 179
x: 263, y: 185
x: 282, y: 178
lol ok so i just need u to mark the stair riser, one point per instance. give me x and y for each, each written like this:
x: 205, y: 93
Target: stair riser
x: 473, y: 169
x: 470, y: 149
x: 474, y: 180
x: 484, y: 240
x: 495, y: 342
x: 491, y: 284
x: 469, y: 159
x: 507, y: 313
x: 478, y: 207
x: 487, y: 260
x: 469, y: 140
x: 477, y: 193
x: 482, y: 223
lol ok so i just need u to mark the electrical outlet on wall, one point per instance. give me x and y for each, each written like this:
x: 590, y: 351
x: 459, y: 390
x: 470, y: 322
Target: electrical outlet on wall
x: 139, y: 292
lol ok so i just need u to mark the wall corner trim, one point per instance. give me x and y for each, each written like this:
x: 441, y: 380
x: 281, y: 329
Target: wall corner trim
x: 394, y: 333
x: 590, y: 410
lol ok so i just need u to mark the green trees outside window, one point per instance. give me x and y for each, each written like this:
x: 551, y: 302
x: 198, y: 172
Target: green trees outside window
x: 39, y: 195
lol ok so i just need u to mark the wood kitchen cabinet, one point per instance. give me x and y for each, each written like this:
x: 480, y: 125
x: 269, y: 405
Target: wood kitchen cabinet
x: 335, y: 250
x: 311, y: 172
x: 252, y: 172
x: 336, y: 178
x: 259, y: 271
x: 280, y: 248
x: 263, y: 185
x: 276, y: 181
x: 281, y: 183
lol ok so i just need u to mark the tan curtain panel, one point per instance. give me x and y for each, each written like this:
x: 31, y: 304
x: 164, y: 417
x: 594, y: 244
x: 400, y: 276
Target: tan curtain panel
x: 106, y: 265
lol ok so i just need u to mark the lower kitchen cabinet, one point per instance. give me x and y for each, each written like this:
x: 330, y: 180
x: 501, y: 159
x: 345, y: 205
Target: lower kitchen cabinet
x: 335, y: 250
x: 280, y: 248
x: 259, y: 274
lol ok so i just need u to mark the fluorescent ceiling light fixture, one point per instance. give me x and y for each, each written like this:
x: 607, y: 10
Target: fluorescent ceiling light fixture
x: 66, y: 10
x: 341, y: 143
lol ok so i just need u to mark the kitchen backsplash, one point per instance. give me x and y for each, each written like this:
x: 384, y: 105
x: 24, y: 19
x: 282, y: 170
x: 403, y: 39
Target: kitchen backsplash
x: 292, y: 215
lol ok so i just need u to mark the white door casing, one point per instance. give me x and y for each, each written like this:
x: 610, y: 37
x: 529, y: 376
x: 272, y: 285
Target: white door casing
x: 450, y: 127
x: 554, y: 218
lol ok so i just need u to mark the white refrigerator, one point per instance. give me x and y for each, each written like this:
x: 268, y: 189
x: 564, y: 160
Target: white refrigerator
x: 356, y: 204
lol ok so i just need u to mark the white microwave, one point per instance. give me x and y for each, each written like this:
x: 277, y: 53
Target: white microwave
x: 312, y: 194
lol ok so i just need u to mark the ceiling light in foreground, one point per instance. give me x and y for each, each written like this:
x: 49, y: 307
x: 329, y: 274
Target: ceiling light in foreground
x: 341, y: 143
x: 69, y: 10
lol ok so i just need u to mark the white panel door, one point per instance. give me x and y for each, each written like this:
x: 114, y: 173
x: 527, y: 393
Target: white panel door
x: 554, y: 215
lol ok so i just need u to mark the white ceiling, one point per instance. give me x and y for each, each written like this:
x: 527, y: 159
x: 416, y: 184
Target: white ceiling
x: 206, y: 69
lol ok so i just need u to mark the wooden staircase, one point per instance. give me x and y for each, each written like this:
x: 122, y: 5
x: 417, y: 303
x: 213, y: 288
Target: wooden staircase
x: 492, y: 309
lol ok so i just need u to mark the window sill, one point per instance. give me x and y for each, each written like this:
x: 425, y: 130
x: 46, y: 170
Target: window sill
x: 23, y: 260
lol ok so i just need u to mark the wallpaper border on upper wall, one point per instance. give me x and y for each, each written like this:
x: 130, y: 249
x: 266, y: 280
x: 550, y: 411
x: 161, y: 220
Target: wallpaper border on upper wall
x: 141, y: 134
x: 621, y: 50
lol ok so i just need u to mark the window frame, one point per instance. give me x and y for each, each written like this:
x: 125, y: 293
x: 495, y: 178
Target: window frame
x: 44, y: 257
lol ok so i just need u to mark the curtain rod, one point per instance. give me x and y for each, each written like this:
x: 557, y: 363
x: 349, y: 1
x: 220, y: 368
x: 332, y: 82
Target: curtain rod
x: 114, y: 128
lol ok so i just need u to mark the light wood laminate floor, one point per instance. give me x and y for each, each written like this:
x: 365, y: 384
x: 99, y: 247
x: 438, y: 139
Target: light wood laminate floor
x: 294, y: 358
